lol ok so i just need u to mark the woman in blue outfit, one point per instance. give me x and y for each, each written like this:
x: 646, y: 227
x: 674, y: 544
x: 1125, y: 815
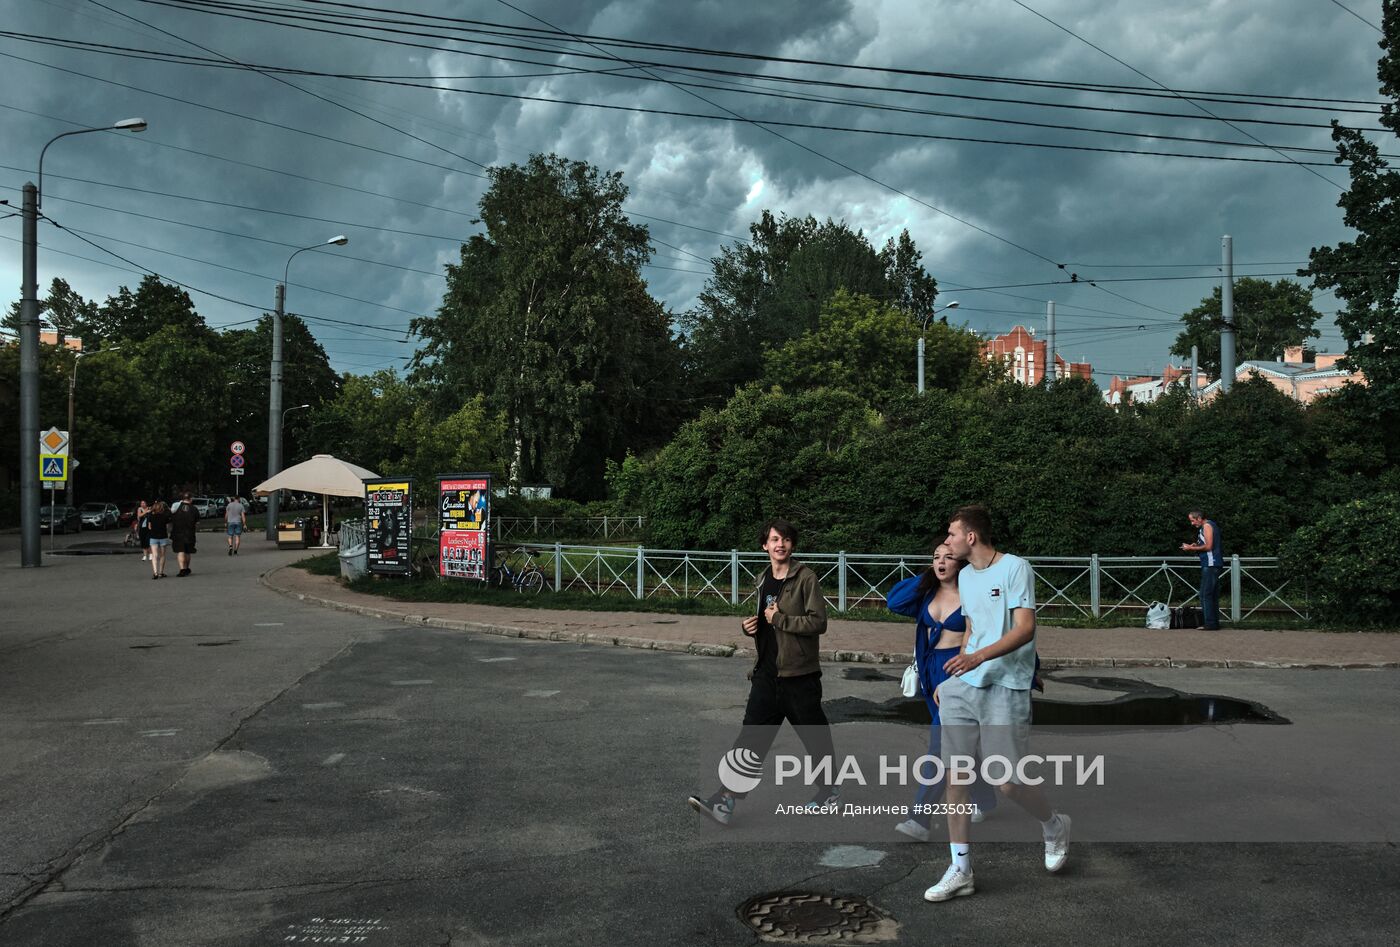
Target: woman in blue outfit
x: 931, y: 599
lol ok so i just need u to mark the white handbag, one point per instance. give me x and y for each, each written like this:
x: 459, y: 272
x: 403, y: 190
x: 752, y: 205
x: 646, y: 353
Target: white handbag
x: 909, y: 685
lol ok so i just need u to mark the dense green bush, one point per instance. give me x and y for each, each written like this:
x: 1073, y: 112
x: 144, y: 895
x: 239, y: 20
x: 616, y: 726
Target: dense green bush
x: 1063, y: 474
x: 1349, y: 560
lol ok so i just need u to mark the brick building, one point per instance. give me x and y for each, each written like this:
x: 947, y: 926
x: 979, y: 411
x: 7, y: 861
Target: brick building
x: 1026, y: 356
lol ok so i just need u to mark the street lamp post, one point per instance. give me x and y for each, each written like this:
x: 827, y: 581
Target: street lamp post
x: 274, y: 388
x: 923, y: 329
x: 30, y: 553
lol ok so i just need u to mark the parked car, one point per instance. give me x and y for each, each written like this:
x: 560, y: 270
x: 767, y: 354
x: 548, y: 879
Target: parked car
x: 204, y: 507
x: 100, y: 515
x: 63, y: 518
x: 220, y: 504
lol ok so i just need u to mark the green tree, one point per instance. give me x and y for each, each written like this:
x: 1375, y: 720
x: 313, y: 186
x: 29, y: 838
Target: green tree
x: 1365, y: 272
x: 547, y: 315
x: 1269, y: 317
x: 766, y: 453
x: 64, y: 309
x: 869, y: 348
x: 771, y: 289
x: 155, y: 305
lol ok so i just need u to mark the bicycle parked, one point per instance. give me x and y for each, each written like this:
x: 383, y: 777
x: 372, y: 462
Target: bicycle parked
x: 518, y: 570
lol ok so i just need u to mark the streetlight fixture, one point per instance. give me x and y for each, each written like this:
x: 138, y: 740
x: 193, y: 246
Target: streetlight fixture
x: 275, y: 414
x: 30, y: 553
x: 923, y: 329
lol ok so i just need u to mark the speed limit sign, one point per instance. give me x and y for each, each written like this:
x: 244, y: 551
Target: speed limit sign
x: 237, y: 447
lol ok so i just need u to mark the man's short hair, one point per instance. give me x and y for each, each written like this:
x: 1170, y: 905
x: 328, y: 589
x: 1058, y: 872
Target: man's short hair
x: 977, y: 519
x: 784, y: 528
x: 1196, y: 513
x: 186, y: 497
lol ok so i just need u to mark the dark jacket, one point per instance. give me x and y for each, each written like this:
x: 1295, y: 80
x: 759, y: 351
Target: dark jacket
x: 183, y: 523
x: 800, y: 621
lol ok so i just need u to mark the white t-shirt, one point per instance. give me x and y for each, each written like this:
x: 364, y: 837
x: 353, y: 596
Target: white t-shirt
x: 988, y: 596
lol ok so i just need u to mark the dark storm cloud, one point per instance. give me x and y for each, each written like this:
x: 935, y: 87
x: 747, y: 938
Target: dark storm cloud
x: 1091, y: 210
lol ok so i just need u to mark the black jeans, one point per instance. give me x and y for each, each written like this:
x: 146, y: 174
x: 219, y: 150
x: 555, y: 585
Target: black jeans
x: 798, y: 700
x: 1210, y: 597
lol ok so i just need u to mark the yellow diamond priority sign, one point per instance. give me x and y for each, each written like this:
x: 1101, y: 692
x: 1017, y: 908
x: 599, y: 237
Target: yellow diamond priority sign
x: 54, y: 441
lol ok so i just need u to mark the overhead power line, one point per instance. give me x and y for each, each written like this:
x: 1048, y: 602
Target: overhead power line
x: 273, y: 71
x: 437, y: 26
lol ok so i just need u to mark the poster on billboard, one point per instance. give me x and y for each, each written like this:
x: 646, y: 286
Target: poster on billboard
x: 464, y: 520
x: 389, y: 526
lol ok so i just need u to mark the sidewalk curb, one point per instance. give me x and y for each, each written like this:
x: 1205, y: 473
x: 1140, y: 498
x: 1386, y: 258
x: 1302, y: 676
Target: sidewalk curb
x: 727, y: 651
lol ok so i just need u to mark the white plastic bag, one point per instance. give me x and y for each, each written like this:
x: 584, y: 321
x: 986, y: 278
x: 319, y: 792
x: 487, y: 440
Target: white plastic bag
x: 909, y: 685
x: 1159, y: 616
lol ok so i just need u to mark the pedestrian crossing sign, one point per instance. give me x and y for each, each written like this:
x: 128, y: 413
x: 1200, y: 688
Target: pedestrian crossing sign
x: 53, y: 467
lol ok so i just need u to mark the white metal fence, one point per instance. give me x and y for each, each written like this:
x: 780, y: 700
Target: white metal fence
x: 538, y: 528
x: 1092, y: 585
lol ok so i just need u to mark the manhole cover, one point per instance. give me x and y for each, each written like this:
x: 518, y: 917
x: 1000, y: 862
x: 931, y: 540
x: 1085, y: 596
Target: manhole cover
x: 807, y: 918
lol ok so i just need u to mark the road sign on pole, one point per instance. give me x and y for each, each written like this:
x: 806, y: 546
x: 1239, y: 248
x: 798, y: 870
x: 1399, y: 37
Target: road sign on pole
x: 237, y: 447
x: 236, y: 471
x: 53, y: 441
x: 236, y: 460
x: 53, y: 468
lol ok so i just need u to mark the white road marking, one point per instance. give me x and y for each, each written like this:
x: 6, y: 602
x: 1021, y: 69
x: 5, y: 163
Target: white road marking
x: 333, y: 759
x: 540, y: 693
x: 493, y: 660
x: 159, y: 733
x: 325, y: 705
x: 104, y: 721
x: 268, y: 624
x: 414, y: 683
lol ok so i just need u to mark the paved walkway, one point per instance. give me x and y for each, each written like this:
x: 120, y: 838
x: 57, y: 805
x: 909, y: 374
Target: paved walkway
x: 859, y: 641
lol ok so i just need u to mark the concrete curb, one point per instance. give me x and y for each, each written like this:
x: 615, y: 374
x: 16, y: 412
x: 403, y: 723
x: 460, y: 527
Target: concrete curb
x: 729, y: 651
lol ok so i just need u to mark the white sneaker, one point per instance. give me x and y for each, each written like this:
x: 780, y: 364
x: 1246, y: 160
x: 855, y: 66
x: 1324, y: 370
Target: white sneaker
x: 913, y: 829
x: 978, y: 815
x: 955, y: 884
x: 1057, y: 845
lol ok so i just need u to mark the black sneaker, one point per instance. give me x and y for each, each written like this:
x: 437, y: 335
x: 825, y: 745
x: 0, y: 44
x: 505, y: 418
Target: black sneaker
x: 719, y: 807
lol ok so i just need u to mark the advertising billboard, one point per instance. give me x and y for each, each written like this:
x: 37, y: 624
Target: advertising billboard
x: 464, y: 520
x: 389, y: 526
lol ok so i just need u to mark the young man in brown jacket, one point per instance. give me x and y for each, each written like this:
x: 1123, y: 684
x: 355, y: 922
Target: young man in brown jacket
x: 786, y: 679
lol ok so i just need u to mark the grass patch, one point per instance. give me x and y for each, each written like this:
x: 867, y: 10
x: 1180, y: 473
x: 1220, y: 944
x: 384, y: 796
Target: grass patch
x: 324, y: 564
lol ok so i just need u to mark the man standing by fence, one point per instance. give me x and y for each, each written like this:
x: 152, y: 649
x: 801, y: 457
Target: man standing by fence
x: 1208, y: 545
x: 786, y: 680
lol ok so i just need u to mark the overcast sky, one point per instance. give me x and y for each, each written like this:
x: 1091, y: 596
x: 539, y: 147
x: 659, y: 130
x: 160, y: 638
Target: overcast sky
x: 405, y: 191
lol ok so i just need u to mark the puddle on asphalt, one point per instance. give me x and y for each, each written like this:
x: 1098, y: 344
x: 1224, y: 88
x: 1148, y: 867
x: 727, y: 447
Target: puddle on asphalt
x: 1140, y: 704
x: 866, y: 674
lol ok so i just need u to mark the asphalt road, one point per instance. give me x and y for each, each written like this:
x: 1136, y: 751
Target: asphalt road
x: 203, y: 762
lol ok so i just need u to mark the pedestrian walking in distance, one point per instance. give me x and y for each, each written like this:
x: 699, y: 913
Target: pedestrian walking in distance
x: 184, y: 524
x: 141, y: 523
x: 235, y: 522
x: 158, y: 527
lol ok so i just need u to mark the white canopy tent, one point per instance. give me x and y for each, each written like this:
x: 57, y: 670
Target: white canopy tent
x: 323, y: 474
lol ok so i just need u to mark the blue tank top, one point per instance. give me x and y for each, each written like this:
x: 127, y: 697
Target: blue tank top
x: 1211, y: 557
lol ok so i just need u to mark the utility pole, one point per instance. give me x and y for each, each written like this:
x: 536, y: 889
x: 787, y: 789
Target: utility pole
x: 921, y: 364
x: 1050, y: 343
x: 30, y: 552
x: 274, y: 412
x: 1195, y: 392
x: 72, y: 385
x: 1227, y: 314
